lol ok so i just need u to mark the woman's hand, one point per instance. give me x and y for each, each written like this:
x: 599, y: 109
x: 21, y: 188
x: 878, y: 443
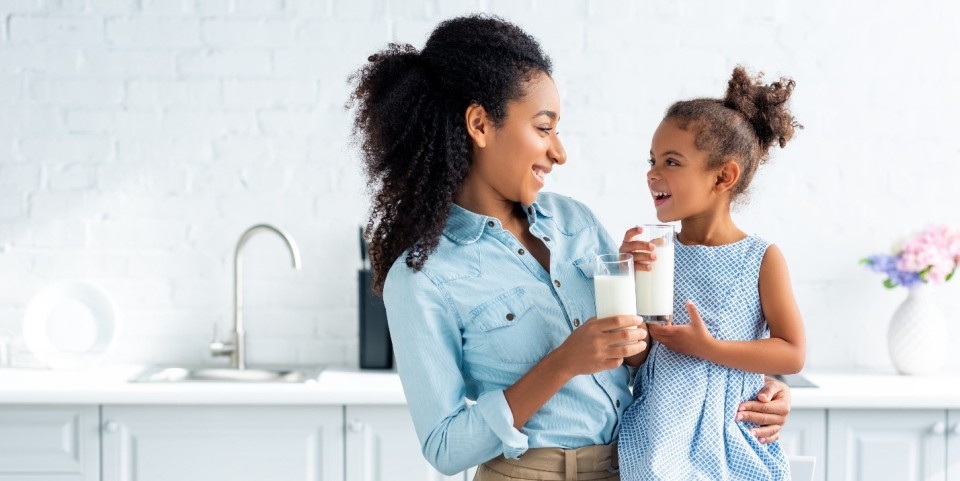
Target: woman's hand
x: 769, y: 411
x: 643, y: 256
x: 600, y: 345
x: 693, y: 339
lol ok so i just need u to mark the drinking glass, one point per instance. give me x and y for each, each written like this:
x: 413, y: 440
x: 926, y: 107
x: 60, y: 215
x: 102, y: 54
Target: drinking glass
x: 654, y: 288
x: 613, y: 283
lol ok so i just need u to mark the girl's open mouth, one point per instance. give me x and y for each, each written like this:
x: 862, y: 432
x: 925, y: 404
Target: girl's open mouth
x: 660, y: 197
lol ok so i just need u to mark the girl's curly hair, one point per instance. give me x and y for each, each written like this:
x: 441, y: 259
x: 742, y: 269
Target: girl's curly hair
x: 410, y: 122
x: 743, y: 126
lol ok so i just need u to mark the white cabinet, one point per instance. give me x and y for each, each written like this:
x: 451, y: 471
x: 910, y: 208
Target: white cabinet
x: 953, y: 445
x: 383, y: 446
x: 58, y: 442
x: 235, y: 443
x: 805, y: 434
x: 892, y: 445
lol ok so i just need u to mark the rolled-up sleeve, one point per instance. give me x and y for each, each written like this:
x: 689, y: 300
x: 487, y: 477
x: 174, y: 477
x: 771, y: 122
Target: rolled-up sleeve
x: 427, y: 341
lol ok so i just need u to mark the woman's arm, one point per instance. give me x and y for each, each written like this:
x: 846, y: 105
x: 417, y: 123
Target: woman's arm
x: 428, y: 345
x: 782, y: 353
x: 769, y: 411
x: 597, y: 345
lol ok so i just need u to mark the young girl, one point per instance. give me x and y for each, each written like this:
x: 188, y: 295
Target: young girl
x: 732, y: 289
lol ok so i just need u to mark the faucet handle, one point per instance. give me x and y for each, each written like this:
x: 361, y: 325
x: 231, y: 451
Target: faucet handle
x: 218, y: 347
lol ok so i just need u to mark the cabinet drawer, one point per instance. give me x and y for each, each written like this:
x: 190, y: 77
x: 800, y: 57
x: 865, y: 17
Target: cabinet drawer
x: 50, y: 442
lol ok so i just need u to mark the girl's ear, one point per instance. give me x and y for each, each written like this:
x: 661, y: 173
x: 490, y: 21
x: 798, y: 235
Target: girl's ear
x: 478, y: 125
x: 727, y: 176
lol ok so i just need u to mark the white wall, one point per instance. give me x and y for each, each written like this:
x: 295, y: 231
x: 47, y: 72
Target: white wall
x: 139, y: 138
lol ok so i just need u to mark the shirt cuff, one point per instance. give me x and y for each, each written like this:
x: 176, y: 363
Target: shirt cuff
x: 496, y: 412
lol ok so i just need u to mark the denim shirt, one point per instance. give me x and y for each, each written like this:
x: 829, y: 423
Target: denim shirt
x: 479, y: 315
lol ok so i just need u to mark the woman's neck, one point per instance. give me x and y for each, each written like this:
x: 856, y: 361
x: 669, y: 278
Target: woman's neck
x: 484, y: 204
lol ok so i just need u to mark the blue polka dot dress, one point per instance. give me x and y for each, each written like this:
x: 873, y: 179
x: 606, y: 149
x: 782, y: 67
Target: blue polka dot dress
x: 682, y: 425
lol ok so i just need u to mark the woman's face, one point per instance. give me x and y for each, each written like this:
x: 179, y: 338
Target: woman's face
x: 679, y: 181
x: 518, y: 155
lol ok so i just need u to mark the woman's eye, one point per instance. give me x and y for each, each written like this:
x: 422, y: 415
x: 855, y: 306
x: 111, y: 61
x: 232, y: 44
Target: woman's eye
x: 651, y: 162
x: 545, y: 130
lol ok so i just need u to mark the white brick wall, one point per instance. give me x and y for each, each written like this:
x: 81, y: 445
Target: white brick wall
x: 139, y: 138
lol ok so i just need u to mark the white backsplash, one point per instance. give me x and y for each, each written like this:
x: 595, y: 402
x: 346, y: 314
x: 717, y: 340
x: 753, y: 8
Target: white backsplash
x: 138, y: 139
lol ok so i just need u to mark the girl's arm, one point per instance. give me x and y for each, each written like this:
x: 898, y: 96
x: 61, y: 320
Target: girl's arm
x: 782, y: 353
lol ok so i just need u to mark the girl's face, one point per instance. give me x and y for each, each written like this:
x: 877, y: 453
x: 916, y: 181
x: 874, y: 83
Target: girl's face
x: 680, y: 183
x: 518, y: 155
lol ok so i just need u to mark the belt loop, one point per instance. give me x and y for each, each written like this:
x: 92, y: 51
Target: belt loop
x: 570, y: 462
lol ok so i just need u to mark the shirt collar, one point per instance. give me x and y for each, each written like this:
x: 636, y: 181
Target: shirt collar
x: 466, y: 227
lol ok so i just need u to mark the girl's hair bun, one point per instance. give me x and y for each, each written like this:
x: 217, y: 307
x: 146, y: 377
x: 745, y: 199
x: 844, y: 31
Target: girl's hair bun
x: 763, y: 105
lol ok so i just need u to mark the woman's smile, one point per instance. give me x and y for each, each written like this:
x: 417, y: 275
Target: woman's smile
x: 540, y: 173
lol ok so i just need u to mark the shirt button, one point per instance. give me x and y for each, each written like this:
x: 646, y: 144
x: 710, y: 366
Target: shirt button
x: 576, y: 323
x: 618, y: 403
x: 556, y: 282
x: 521, y: 251
x: 546, y: 239
x: 510, y: 316
x: 490, y: 223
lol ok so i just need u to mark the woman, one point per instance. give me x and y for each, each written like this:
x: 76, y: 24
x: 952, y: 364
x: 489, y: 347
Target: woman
x: 484, y: 277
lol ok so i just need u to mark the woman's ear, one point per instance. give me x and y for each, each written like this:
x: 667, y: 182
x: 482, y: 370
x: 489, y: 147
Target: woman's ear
x: 478, y: 125
x: 727, y: 176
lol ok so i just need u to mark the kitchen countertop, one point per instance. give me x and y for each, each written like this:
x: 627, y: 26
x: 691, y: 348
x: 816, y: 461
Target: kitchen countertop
x: 340, y: 386
x: 109, y: 385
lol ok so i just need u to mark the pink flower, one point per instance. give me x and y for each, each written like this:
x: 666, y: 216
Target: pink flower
x: 933, y: 253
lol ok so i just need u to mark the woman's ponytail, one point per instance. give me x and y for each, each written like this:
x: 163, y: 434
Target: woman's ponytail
x: 409, y: 122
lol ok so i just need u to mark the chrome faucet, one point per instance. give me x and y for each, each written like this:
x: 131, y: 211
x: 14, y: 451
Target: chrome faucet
x: 235, y: 347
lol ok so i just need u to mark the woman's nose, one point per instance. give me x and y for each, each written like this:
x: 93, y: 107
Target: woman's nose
x: 557, y: 153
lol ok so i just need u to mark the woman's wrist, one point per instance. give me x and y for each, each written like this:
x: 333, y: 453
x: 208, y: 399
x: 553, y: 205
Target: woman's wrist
x: 555, y: 362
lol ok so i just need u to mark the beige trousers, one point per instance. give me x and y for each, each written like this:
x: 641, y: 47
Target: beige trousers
x: 553, y: 464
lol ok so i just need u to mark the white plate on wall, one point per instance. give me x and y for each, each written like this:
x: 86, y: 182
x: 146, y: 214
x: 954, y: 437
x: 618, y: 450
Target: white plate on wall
x: 71, y: 324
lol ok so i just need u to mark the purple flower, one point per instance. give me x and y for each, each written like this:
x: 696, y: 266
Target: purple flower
x: 882, y: 263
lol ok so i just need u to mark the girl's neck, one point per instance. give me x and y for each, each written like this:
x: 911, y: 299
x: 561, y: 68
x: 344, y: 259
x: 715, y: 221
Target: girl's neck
x: 710, y: 229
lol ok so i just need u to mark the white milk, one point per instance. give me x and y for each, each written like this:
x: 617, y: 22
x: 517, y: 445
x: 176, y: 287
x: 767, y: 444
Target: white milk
x: 616, y: 296
x: 655, y: 288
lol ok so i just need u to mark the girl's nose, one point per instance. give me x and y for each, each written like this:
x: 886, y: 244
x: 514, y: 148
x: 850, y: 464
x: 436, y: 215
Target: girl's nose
x: 652, y: 175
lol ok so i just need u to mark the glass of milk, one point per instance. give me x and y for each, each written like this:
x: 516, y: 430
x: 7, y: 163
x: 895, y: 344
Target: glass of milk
x: 655, y: 287
x: 613, y: 282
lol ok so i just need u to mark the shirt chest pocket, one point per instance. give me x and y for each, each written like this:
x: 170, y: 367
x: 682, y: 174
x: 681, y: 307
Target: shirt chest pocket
x: 512, y: 328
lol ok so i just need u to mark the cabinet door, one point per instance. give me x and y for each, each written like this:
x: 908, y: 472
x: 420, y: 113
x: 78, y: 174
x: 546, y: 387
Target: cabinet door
x: 236, y: 443
x: 49, y: 442
x: 953, y: 445
x: 805, y: 434
x: 892, y: 445
x: 383, y: 446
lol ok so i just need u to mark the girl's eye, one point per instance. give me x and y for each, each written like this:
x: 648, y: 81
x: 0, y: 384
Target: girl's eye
x: 545, y: 130
x: 672, y: 162
x: 650, y: 161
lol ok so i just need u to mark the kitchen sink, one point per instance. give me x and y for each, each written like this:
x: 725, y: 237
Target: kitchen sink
x: 161, y: 374
x: 794, y: 380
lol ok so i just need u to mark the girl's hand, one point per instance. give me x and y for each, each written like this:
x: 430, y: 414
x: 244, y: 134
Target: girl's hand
x: 600, y: 345
x: 642, y: 251
x: 692, y: 339
x: 769, y: 411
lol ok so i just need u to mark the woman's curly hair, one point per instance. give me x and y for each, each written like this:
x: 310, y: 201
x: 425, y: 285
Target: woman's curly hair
x: 743, y: 126
x: 410, y: 122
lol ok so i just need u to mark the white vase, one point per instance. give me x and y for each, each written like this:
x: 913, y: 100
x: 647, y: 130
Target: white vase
x: 917, y: 337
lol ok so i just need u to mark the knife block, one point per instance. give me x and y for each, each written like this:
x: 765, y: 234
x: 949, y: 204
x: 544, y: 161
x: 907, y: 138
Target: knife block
x: 376, y: 349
